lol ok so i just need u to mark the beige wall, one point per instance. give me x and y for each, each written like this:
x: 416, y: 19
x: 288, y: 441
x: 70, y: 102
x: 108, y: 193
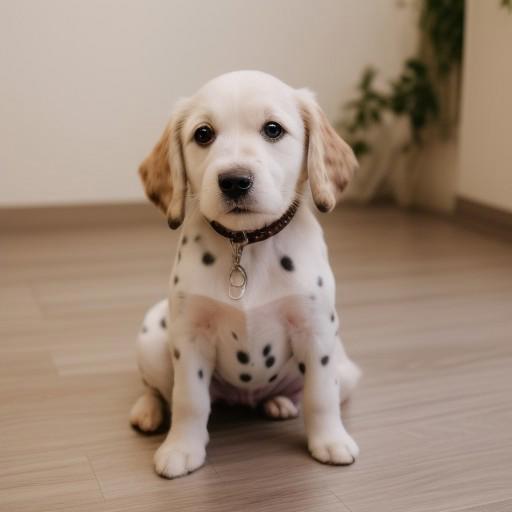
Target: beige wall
x: 485, y: 159
x: 86, y: 85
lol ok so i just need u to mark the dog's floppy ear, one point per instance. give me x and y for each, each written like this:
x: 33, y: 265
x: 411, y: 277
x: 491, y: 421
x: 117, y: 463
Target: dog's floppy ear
x: 163, y: 171
x: 330, y: 161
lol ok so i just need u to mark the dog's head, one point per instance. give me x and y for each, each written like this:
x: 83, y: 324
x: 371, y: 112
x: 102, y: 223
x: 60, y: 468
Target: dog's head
x: 244, y: 146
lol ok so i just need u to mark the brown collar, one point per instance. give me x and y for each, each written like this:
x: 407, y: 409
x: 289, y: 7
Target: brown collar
x: 257, y: 235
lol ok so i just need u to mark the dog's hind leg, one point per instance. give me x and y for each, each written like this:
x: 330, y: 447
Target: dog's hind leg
x: 147, y: 414
x: 155, y: 366
x: 349, y: 377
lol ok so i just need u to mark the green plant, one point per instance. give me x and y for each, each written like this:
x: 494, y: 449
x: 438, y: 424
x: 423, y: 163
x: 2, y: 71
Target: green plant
x: 364, y: 111
x: 411, y: 95
x: 414, y: 93
x: 427, y: 89
x: 442, y: 21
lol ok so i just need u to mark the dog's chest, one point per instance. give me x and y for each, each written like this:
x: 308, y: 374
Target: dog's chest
x: 289, y: 282
x: 252, y: 346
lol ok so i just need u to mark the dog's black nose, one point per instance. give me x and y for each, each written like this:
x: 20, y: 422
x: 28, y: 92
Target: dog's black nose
x: 235, y: 184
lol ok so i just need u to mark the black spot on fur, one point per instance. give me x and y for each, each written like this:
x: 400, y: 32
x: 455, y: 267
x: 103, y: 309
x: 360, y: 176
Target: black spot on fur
x: 179, y: 256
x: 270, y: 361
x: 233, y: 333
x: 208, y: 258
x: 184, y: 240
x: 163, y: 323
x: 177, y: 353
x: 273, y: 378
x: 302, y: 368
x: 144, y: 329
x: 243, y: 357
x: 176, y: 279
x: 320, y: 281
x: 197, y: 238
x: 287, y: 263
x: 332, y: 317
x: 312, y: 296
x: 245, y: 377
x: 324, y: 360
x: 266, y: 350
x: 200, y: 374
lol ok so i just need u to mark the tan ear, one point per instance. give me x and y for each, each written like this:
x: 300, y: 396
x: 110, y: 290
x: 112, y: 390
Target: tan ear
x: 330, y: 161
x: 164, y: 175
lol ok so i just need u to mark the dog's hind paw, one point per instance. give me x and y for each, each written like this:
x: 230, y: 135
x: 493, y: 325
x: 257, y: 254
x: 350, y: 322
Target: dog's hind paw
x: 280, y: 408
x: 147, y: 413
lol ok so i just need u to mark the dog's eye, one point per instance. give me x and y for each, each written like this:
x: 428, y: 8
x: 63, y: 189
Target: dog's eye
x: 204, y: 135
x: 272, y: 130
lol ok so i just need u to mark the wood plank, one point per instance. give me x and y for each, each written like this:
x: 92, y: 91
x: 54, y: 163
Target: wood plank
x: 426, y: 310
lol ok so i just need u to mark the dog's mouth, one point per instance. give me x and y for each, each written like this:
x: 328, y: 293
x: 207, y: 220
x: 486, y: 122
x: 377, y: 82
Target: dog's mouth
x: 239, y: 210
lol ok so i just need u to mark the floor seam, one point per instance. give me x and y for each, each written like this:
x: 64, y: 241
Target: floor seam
x: 100, y: 487
x: 340, y: 500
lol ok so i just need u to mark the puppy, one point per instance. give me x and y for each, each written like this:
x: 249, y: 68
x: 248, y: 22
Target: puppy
x: 251, y: 314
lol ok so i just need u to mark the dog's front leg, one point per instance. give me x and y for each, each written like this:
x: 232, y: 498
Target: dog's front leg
x: 184, y: 449
x: 318, y: 355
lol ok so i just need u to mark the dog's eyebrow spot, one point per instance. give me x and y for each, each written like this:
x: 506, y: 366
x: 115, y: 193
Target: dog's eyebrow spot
x: 144, y: 329
x: 266, y: 350
x: 320, y: 281
x: 177, y: 353
x: 287, y: 263
x: 208, y: 258
x: 312, y: 296
x: 270, y: 361
x: 197, y: 238
x: 200, y: 374
x: 245, y: 377
x: 163, y: 323
x: 243, y: 357
x: 332, y: 317
x: 324, y: 360
x: 176, y: 279
x: 302, y: 368
x: 184, y: 240
x: 273, y: 378
x: 233, y: 333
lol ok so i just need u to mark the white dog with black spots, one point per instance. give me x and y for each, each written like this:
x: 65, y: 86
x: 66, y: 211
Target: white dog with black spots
x: 246, y: 156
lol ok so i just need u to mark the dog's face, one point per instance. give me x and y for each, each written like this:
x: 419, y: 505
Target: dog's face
x: 244, y: 146
x: 243, y: 141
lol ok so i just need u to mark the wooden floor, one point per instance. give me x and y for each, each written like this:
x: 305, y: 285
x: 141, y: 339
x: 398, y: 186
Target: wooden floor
x: 427, y: 312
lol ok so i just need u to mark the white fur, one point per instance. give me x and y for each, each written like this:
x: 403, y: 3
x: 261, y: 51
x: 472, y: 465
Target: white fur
x: 290, y: 310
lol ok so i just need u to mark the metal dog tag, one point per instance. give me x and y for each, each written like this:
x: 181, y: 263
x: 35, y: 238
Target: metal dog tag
x: 237, y: 275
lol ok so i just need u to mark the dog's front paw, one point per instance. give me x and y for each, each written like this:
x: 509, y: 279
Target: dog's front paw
x: 341, y: 450
x: 174, y: 459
